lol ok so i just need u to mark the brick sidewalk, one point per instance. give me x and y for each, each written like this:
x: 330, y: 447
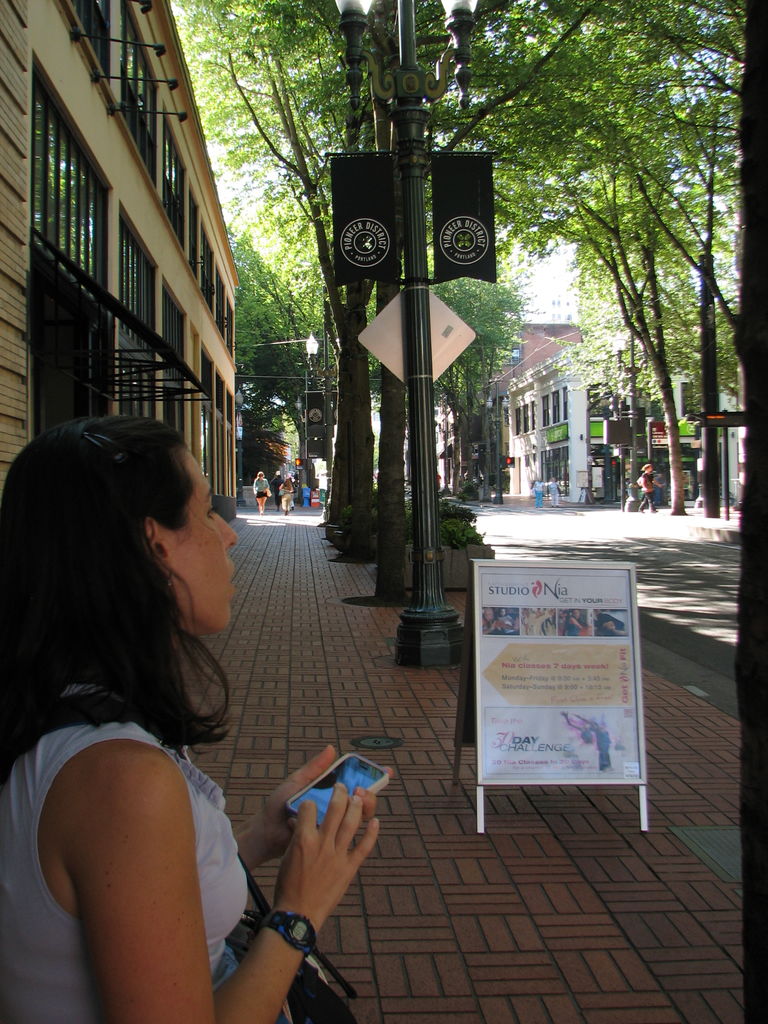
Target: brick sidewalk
x: 563, y: 912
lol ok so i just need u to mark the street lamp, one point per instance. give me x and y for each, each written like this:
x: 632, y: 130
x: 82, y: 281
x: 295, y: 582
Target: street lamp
x: 311, y: 345
x: 430, y: 632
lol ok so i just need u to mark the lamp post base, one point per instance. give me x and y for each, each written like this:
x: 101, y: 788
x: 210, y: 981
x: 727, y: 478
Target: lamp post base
x: 631, y: 504
x: 424, y: 640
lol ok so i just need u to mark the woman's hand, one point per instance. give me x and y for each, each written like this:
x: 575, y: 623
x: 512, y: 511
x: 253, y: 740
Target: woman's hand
x: 321, y: 861
x: 271, y: 829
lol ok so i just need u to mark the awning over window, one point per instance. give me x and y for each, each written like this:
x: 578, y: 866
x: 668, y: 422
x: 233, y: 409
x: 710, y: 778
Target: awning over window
x: 119, y: 356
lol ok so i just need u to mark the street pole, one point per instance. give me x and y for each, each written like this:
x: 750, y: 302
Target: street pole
x: 300, y: 411
x: 327, y: 404
x: 430, y: 632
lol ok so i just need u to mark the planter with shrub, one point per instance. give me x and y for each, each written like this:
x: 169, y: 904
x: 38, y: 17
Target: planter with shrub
x: 460, y: 542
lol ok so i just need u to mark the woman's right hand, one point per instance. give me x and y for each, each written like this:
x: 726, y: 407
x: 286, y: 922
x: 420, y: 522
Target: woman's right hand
x: 320, y: 862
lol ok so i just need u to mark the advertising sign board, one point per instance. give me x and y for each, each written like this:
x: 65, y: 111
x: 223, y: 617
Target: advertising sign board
x: 558, y: 688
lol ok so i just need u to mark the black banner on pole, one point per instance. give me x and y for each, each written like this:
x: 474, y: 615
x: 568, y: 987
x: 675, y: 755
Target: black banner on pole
x: 464, y: 235
x: 315, y: 409
x: 363, y: 192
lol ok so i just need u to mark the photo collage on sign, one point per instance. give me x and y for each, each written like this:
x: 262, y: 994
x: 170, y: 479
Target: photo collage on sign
x: 570, y: 622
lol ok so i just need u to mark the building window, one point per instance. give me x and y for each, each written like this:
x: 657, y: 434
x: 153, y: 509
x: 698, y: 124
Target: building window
x: 206, y: 415
x: 194, y: 229
x: 137, y: 277
x: 138, y: 94
x: 518, y: 420
x: 220, y: 309
x: 533, y: 415
x: 229, y: 329
x: 173, y: 324
x: 555, y: 466
x: 206, y: 269
x: 545, y: 410
x: 221, y: 435
x: 94, y: 17
x: 69, y: 202
x: 565, y: 403
x: 555, y: 406
x: 137, y: 293
x: 228, y: 442
x: 526, y: 418
x: 173, y: 381
x: 173, y: 183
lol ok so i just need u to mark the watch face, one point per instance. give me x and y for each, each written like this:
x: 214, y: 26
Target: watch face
x: 298, y: 929
x: 315, y: 415
x: 295, y: 929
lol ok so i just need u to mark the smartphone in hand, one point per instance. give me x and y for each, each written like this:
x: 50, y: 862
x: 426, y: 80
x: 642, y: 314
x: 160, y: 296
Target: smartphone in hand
x: 351, y: 769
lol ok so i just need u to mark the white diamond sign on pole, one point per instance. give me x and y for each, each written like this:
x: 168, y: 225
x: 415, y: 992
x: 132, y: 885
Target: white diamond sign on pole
x: 384, y: 336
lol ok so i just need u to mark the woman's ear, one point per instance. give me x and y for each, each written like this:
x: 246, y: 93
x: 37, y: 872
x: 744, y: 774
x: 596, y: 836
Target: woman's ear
x: 158, y: 539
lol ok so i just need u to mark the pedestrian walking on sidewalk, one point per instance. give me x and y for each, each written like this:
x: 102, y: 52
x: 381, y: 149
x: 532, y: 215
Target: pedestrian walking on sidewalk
x: 554, y: 493
x: 538, y: 494
x: 286, y: 495
x: 274, y: 486
x: 261, y: 491
x: 646, y: 485
x: 119, y: 873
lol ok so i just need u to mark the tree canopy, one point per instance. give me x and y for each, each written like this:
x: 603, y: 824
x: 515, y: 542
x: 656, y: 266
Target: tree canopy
x: 613, y: 124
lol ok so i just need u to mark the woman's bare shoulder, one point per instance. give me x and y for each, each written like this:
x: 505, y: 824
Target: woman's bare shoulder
x: 114, y: 803
x: 119, y: 770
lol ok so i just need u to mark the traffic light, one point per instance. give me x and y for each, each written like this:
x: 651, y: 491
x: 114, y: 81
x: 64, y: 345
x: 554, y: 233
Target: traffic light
x: 723, y: 419
x: 508, y: 460
x: 298, y: 462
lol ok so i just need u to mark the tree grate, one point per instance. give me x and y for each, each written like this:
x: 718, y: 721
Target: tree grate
x: 719, y: 848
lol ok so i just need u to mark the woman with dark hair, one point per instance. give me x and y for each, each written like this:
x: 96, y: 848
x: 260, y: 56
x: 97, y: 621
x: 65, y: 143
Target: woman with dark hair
x: 119, y: 872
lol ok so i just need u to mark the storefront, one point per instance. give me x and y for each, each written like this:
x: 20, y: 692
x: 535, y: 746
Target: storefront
x: 555, y: 457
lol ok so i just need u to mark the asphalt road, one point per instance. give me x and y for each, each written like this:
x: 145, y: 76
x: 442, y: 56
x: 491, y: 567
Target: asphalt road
x: 687, y: 587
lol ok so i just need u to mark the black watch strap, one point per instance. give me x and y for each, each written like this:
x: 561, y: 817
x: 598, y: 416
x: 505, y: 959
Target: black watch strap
x: 294, y: 928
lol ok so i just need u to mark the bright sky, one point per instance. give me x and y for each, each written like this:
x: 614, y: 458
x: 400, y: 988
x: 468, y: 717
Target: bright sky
x: 551, y: 294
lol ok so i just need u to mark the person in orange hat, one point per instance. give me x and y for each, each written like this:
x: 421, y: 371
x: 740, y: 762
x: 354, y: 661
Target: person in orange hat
x: 645, y: 483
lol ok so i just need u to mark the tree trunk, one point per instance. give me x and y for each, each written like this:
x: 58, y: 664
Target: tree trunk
x: 752, y: 649
x: 677, y: 483
x: 353, y: 463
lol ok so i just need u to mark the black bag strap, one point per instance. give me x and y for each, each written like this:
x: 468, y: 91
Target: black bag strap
x: 91, y: 707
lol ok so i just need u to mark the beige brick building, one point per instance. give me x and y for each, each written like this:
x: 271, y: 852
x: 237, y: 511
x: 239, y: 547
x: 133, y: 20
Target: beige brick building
x: 116, y: 276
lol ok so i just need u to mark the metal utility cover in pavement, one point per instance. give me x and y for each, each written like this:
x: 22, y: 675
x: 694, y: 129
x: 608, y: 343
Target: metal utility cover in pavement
x: 719, y: 848
x: 376, y: 742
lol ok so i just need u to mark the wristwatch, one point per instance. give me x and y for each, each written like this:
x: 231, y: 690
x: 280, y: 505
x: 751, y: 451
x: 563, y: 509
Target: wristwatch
x: 295, y: 929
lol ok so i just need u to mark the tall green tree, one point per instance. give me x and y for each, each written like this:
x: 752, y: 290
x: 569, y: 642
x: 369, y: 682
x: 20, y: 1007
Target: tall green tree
x: 610, y: 120
x: 268, y: 82
x: 631, y: 155
x: 273, y: 318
